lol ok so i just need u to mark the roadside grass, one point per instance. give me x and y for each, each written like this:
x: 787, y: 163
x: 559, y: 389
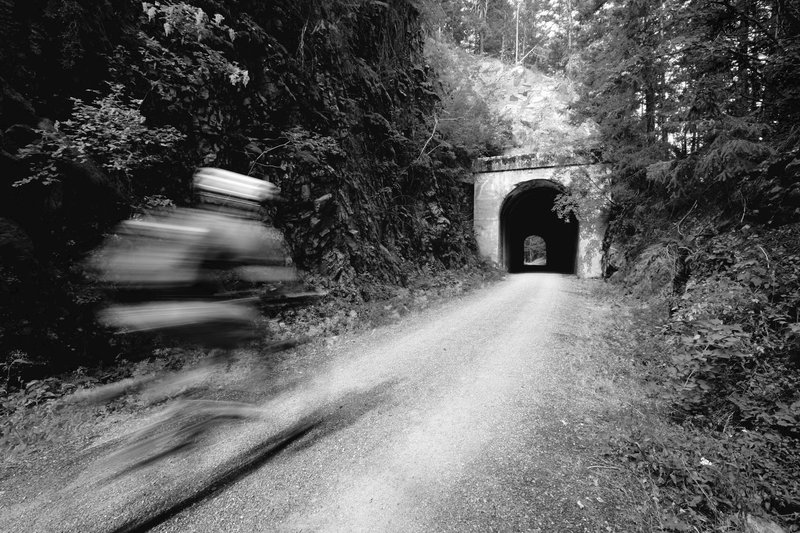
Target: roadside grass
x: 700, y: 469
x: 374, y: 303
x: 607, y: 397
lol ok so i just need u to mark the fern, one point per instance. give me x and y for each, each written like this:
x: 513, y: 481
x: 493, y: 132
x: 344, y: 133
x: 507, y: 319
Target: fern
x: 731, y: 158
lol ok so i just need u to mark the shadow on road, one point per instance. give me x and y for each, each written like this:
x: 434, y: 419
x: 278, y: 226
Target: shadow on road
x: 305, y: 433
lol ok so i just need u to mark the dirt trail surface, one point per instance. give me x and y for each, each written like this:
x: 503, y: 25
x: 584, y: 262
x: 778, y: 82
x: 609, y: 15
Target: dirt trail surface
x: 482, y: 414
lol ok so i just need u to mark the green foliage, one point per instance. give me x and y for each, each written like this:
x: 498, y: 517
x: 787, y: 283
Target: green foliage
x: 465, y: 119
x: 538, y: 33
x: 725, y: 367
x: 685, y: 109
x: 109, y: 132
x: 588, y: 193
x: 333, y: 101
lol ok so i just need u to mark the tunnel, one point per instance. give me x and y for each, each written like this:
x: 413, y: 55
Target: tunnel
x: 527, y: 216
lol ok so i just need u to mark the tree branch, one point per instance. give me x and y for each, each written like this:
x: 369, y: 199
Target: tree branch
x: 255, y: 162
x: 739, y: 12
x: 678, y: 225
x: 435, y: 124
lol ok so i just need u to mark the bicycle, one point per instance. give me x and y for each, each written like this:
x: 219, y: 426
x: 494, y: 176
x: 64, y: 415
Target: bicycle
x: 164, y: 273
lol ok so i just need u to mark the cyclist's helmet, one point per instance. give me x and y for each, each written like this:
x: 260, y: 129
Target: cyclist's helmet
x: 230, y: 189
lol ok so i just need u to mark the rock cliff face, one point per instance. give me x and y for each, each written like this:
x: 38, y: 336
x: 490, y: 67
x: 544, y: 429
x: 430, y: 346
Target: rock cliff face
x: 534, y: 106
x: 331, y: 100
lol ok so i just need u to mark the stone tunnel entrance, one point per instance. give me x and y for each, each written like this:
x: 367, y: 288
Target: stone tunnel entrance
x: 528, y: 212
x: 513, y: 201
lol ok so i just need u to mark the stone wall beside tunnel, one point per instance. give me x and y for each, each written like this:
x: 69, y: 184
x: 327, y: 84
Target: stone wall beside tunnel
x: 513, y: 203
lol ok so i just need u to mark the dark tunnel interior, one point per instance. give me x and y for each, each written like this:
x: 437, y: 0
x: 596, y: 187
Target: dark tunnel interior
x: 528, y: 210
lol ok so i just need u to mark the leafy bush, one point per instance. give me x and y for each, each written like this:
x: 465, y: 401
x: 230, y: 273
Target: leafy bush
x: 738, y: 325
x: 725, y: 367
x: 108, y: 131
x: 465, y: 118
x: 702, y: 482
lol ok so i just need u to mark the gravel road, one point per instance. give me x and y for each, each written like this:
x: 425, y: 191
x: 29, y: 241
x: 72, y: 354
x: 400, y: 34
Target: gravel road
x: 473, y: 416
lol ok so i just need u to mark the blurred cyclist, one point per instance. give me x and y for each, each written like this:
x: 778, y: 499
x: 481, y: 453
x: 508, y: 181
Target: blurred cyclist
x: 166, y: 269
x: 166, y: 272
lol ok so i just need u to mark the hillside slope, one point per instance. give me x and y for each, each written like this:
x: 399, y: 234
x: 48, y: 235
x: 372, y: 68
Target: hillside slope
x: 533, y: 107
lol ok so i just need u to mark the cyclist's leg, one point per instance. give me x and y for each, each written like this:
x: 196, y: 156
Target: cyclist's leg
x: 178, y: 429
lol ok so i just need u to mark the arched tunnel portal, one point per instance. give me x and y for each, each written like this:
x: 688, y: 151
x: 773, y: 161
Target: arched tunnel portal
x: 512, y: 210
x: 528, y: 211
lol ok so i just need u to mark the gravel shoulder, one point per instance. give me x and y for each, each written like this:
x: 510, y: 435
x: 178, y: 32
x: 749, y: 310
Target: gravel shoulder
x: 487, y: 413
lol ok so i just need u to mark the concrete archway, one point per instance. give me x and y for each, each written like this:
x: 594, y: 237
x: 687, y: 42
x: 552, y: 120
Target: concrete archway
x: 528, y: 210
x: 502, y: 196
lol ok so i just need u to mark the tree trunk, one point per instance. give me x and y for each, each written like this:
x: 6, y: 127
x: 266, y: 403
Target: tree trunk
x: 650, y: 110
x: 524, y: 41
x: 744, y: 67
x: 569, y: 28
x: 516, y: 40
x: 649, y: 100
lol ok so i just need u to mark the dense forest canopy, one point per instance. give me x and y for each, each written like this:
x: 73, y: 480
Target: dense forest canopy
x: 696, y: 99
x: 535, y: 32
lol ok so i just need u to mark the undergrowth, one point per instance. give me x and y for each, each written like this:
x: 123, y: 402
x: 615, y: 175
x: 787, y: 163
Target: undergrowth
x: 375, y: 303
x: 718, y: 446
